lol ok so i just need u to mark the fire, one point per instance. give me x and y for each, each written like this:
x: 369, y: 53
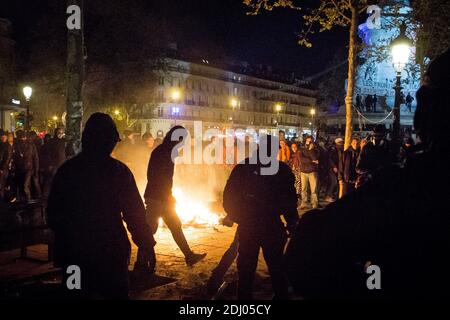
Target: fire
x: 193, y: 211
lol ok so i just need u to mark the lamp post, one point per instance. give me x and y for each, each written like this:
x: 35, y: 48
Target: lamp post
x: 55, y: 119
x: 313, y: 113
x: 400, y: 48
x: 27, y: 92
x: 175, y: 95
x: 278, y: 108
x: 234, y: 104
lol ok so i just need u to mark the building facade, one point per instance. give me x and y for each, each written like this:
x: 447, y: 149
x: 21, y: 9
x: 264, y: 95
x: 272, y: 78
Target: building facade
x: 187, y: 92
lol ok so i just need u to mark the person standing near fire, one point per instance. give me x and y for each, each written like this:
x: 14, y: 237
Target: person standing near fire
x: 91, y: 196
x: 158, y: 194
x: 255, y: 201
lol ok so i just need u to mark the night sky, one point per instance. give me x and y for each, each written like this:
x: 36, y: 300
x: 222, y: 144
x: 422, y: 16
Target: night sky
x: 209, y: 27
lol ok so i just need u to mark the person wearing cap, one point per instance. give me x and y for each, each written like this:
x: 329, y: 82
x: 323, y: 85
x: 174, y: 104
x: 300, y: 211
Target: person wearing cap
x: 91, y: 197
x: 390, y: 238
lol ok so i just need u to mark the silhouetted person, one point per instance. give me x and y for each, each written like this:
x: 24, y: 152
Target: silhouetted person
x: 309, y: 172
x: 158, y: 193
x: 255, y: 201
x: 349, y: 174
x: 368, y: 102
x: 335, y: 162
x: 409, y: 99
x: 26, y: 163
x: 374, y: 103
x: 55, y: 153
x: 218, y: 273
x: 399, y: 221
x: 358, y: 102
x: 91, y: 196
x: 6, y: 157
x: 376, y: 155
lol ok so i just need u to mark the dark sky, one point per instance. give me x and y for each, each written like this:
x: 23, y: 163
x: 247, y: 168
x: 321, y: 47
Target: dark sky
x: 269, y: 38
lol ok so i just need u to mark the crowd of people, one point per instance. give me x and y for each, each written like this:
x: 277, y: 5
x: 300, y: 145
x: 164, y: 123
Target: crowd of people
x: 28, y: 164
x: 322, y: 168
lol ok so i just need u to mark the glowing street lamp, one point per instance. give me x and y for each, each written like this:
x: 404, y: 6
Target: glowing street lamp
x: 234, y: 103
x: 27, y: 92
x: 313, y: 113
x: 116, y: 112
x: 400, y: 48
x: 175, y: 95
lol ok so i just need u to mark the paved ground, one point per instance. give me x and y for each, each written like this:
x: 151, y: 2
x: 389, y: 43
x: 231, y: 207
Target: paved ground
x: 181, y: 281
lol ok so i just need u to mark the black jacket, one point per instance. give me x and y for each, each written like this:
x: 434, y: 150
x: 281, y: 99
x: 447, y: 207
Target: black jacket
x: 56, y: 152
x: 25, y: 156
x: 6, y: 156
x: 373, y: 157
x: 252, y: 198
x: 88, y: 202
x: 350, y: 160
x: 306, y: 160
x: 160, y: 174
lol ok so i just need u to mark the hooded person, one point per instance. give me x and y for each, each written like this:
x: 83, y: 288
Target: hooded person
x: 392, y: 233
x: 158, y: 192
x: 259, y: 190
x: 91, y: 196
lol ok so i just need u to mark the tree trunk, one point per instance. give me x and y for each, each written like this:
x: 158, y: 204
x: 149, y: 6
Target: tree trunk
x: 351, y: 78
x: 75, y: 79
x: 350, y: 86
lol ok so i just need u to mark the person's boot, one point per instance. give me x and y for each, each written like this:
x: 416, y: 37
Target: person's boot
x: 193, y: 258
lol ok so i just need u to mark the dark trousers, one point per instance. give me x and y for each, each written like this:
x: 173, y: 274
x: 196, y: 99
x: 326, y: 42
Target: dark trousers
x: 3, y: 182
x: 224, y: 264
x: 348, y: 187
x: 165, y: 210
x: 104, y: 280
x: 271, y: 238
x: 332, y: 184
x: 24, y: 184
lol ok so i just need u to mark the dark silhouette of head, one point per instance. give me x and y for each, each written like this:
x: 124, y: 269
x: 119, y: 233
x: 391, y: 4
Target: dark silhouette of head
x: 20, y: 134
x: 175, y: 136
x: 433, y: 105
x: 100, y: 135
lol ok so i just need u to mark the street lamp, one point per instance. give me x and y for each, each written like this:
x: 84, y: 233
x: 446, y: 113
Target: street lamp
x: 278, y: 108
x: 313, y: 113
x: 400, y: 48
x: 234, y: 103
x: 116, y: 112
x: 55, y: 119
x: 175, y: 95
x: 27, y: 92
